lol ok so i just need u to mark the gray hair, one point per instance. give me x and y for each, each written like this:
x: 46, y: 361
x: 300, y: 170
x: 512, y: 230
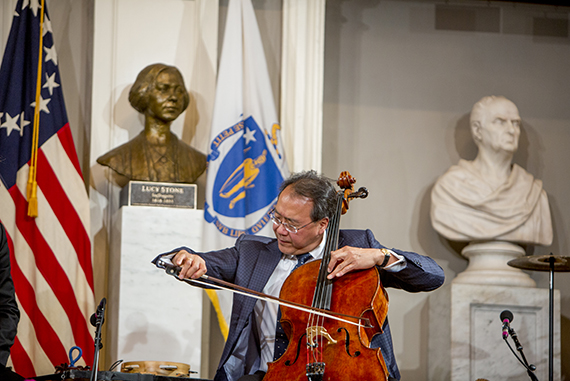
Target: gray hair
x: 138, y: 95
x: 318, y: 189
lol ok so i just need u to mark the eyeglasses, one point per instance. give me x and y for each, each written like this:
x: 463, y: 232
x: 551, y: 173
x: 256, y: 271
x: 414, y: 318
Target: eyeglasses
x: 290, y: 228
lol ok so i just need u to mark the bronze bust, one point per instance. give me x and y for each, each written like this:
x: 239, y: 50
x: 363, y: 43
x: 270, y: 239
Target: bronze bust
x: 156, y: 154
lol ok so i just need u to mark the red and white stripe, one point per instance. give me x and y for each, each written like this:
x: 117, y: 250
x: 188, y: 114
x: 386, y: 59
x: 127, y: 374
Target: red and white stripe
x: 51, y: 261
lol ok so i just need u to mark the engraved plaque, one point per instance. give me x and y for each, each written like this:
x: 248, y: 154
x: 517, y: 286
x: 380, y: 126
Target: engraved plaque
x: 170, y: 195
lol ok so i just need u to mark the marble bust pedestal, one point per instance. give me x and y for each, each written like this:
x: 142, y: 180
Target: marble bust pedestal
x: 151, y: 316
x: 488, y: 265
x: 465, y: 341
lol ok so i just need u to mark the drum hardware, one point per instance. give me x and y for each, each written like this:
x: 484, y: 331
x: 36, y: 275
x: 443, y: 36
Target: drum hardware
x: 550, y: 263
x: 159, y: 368
x: 115, y: 364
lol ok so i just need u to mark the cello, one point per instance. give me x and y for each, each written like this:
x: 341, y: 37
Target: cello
x: 321, y: 348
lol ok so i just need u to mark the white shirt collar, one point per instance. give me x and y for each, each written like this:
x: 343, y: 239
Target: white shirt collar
x: 316, y: 253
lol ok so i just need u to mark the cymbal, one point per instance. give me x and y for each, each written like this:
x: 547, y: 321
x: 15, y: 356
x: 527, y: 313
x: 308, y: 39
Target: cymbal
x: 541, y: 263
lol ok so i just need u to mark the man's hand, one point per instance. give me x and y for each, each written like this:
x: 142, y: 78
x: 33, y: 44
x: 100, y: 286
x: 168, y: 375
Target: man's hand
x: 347, y: 259
x: 193, y: 266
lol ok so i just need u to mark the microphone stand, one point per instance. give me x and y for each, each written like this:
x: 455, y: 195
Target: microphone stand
x: 529, y: 367
x: 99, y: 318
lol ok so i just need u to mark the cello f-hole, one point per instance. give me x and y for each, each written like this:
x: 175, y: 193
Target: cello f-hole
x: 289, y: 363
x: 347, y: 342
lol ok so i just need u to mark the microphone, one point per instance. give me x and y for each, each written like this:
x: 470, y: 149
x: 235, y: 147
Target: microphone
x: 97, y: 320
x: 506, y: 317
x: 99, y: 315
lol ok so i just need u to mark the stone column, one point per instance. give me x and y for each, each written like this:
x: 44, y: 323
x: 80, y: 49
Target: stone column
x: 465, y: 341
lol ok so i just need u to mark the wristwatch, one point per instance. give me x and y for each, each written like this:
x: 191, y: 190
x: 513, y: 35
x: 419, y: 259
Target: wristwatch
x: 386, y: 253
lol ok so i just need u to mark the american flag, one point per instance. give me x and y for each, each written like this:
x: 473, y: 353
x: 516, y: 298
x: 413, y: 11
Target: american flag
x: 51, y: 253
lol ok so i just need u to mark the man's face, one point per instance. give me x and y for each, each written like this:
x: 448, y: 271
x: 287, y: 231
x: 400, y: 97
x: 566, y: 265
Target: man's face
x: 500, y: 129
x: 166, y: 97
x: 296, y: 211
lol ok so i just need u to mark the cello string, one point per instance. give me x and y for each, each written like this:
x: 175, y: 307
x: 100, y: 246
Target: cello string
x: 323, y: 291
x: 319, y: 294
x: 324, y: 285
x: 328, y: 283
x: 334, y: 246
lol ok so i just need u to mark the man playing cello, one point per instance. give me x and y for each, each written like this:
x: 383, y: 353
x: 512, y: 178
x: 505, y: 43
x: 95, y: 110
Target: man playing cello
x: 306, y: 204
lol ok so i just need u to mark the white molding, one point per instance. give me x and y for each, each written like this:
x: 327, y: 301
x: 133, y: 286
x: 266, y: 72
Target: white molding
x: 302, y: 71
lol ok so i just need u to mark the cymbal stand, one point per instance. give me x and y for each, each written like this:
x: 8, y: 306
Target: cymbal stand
x: 551, y: 323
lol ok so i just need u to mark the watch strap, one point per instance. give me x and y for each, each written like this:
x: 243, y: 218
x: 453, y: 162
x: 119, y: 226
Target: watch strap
x: 387, y: 255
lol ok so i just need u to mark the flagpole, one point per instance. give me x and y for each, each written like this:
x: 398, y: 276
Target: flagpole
x: 32, y: 183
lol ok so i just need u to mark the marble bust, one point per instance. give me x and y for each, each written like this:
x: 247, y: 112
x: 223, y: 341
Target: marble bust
x: 157, y: 154
x: 490, y: 198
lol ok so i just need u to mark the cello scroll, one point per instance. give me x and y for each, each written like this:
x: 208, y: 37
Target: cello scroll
x: 346, y: 181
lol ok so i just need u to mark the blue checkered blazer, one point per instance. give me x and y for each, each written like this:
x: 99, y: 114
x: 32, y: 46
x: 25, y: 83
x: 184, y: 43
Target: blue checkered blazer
x: 251, y: 262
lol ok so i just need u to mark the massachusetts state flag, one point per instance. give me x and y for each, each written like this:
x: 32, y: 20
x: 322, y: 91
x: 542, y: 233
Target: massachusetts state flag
x: 246, y: 162
x: 51, y: 253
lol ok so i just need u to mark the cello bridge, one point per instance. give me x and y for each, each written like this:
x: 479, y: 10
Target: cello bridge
x: 314, y: 331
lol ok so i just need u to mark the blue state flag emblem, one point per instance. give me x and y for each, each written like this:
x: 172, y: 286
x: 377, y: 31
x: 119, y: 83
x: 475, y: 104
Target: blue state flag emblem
x: 247, y: 178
